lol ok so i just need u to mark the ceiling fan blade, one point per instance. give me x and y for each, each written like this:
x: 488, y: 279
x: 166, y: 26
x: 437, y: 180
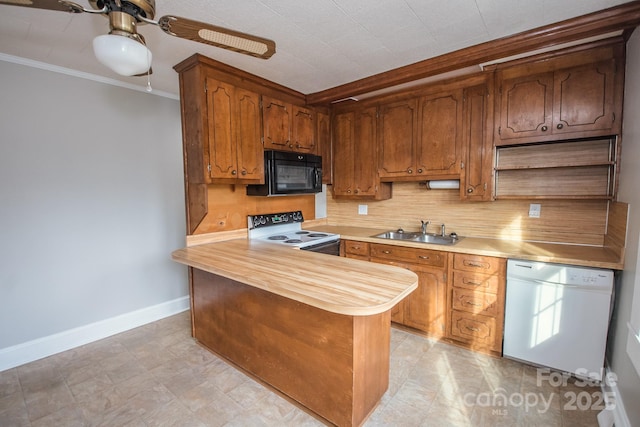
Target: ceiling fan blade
x: 59, y: 5
x: 218, y: 36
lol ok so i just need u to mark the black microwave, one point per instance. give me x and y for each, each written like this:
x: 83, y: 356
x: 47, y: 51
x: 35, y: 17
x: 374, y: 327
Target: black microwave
x: 289, y: 173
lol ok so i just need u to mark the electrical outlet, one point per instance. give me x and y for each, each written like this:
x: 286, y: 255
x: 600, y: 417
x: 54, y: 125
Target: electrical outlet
x: 363, y: 209
x: 534, y: 210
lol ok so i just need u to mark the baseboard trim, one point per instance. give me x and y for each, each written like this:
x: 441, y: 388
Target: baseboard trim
x: 618, y: 413
x: 17, y: 355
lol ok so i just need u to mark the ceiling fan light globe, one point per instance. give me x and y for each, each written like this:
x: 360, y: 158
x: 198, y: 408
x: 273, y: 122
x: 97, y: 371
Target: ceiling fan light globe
x: 121, y: 54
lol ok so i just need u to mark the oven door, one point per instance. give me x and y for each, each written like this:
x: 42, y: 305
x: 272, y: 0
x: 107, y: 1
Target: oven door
x: 329, y: 248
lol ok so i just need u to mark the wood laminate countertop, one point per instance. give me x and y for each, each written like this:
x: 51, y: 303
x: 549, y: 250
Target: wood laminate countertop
x: 336, y: 284
x: 589, y: 256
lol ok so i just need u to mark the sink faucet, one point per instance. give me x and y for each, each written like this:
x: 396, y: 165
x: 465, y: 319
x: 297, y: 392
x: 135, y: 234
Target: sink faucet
x: 425, y: 224
x: 443, y: 231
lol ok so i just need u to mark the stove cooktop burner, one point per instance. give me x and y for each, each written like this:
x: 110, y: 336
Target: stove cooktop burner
x: 293, y: 241
x: 279, y: 237
x: 317, y: 235
x: 303, y: 232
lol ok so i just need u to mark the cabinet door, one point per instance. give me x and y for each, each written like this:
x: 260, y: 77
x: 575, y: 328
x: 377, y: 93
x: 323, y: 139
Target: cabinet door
x: 343, y: 154
x: 397, y: 132
x: 584, y: 98
x: 439, y: 149
x: 276, y: 119
x: 222, y: 144
x: 526, y: 106
x: 250, y: 156
x: 478, y: 158
x: 323, y: 146
x: 425, y: 308
x: 355, y: 156
x: 365, y: 159
x: 303, y: 130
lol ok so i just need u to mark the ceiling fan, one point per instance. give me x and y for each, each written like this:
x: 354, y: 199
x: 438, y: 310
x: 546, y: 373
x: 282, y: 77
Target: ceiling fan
x: 124, y: 50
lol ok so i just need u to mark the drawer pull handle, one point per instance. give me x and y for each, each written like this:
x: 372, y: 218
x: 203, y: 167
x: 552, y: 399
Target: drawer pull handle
x: 386, y: 252
x: 355, y: 247
x: 475, y: 304
x: 471, y: 282
x: 423, y: 257
x: 472, y: 329
x: 474, y: 264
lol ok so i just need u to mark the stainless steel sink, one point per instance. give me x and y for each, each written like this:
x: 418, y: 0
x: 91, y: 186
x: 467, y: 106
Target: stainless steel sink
x: 419, y: 237
x: 398, y: 235
x: 438, y: 240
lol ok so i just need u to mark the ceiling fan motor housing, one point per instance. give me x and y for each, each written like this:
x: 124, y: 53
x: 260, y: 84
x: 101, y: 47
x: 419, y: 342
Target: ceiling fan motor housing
x: 133, y: 8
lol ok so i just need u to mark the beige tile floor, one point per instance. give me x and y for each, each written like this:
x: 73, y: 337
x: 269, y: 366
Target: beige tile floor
x: 156, y: 375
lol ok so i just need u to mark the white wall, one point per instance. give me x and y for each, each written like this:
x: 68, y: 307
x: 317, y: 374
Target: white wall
x: 620, y: 363
x: 91, y: 203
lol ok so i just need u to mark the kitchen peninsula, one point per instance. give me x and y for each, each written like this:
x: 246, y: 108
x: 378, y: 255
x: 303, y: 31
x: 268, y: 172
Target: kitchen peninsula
x: 314, y: 327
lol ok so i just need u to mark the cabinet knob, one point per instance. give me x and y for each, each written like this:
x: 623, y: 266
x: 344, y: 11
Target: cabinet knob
x: 356, y: 191
x: 386, y: 252
x: 419, y: 170
x: 560, y: 126
x: 290, y: 145
x: 544, y: 128
x: 348, y: 191
x: 470, y: 190
x: 409, y: 170
x: 234, y: 172
x: 244, y: 172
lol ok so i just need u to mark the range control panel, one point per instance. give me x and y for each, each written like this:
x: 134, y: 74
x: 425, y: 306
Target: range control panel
x: 268, y: 220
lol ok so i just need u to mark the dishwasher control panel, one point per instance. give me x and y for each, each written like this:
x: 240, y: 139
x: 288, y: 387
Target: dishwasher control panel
x: 558, y: 273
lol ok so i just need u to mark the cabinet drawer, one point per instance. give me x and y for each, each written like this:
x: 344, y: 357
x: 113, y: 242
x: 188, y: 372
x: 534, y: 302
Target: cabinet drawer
x: 481, y: 264
x: 476, y: 330
x: 352, y: 247
x: 410, y: 255
x: 475, y: 302
x: 477, y: 281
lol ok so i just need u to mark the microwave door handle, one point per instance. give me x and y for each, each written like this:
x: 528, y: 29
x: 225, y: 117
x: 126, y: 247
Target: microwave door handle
x: 318, y: 177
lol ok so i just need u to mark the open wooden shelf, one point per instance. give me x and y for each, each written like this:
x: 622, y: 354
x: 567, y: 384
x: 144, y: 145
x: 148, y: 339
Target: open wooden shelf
x: 559, y: 170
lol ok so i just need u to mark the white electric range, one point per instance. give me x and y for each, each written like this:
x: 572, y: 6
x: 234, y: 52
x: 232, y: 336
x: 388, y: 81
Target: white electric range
x: 286, y: 229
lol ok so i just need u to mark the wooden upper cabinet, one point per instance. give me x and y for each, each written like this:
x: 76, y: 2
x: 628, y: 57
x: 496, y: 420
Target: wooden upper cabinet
x: 421, y: 138
x: 303, y: 130
x: 248, y: 136
x: 398, y: 129
x: 583, y: 98
x: 288, y: 127
x: 478, y: 153
x: 355, y: 156
x: 234, y: 149
x: 276, y: 116
x: 343, y: 153
x: 571, y: 96
x: 526, y: 104
x: 440, y: 138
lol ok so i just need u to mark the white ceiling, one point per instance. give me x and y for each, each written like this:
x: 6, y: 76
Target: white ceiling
x: 320, y: 44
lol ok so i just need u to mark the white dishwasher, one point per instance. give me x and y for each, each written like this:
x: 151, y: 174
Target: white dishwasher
x: 557, y: 316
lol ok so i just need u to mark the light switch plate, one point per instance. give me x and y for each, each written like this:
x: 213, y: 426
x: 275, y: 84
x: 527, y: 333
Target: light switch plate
x: 363, y: 209
x: 534, y: 210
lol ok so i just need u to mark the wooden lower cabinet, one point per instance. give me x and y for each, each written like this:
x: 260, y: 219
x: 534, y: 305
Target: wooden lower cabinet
x: 425, y: 308
x: 476, y: 295
x: 460, y: 297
